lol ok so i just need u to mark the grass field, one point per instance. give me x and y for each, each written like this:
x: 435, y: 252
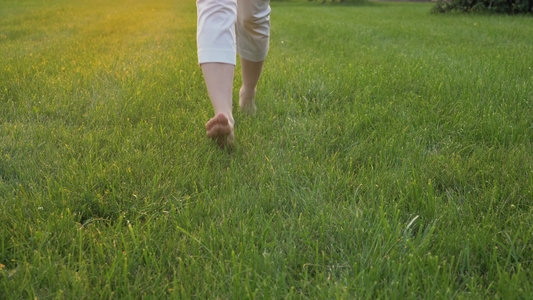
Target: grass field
x: 391, y: 156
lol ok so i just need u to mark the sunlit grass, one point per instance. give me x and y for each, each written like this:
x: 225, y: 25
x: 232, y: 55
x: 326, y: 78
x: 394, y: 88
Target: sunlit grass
x: 391, y: 156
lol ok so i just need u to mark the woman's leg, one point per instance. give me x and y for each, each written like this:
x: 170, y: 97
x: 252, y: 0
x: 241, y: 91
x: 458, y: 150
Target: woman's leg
x: 217, y: 58
x: 253, y: 33
x: 251, y: 71
x: 219, y: 81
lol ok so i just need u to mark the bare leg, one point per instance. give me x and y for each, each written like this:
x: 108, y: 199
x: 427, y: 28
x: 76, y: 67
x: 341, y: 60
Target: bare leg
x: 219, y: 81
x: 251, y: 71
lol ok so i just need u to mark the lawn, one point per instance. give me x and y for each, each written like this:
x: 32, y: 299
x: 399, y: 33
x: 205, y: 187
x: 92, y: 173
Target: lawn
x: 391, y: 156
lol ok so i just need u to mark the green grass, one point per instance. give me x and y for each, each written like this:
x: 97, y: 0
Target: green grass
x: 391, y: 157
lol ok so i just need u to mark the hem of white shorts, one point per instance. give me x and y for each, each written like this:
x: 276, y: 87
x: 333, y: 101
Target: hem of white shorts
x: 255, y: 57
x: 217, y: 56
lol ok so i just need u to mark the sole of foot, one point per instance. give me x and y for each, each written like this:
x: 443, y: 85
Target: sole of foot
x: 220, y: 129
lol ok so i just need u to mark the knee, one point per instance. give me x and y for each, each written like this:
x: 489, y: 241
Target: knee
x: 254, y: 20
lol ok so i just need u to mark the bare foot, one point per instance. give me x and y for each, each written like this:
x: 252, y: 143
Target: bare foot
x: 246, y: 101
x: 220, y: 129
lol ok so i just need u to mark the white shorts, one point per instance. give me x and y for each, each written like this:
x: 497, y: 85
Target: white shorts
x: 228, y: 27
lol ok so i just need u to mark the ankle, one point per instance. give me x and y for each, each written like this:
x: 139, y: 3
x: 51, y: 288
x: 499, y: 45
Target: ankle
x: 247, y: 90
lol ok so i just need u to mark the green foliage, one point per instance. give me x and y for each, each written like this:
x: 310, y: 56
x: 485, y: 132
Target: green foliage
x: 496, y: 6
